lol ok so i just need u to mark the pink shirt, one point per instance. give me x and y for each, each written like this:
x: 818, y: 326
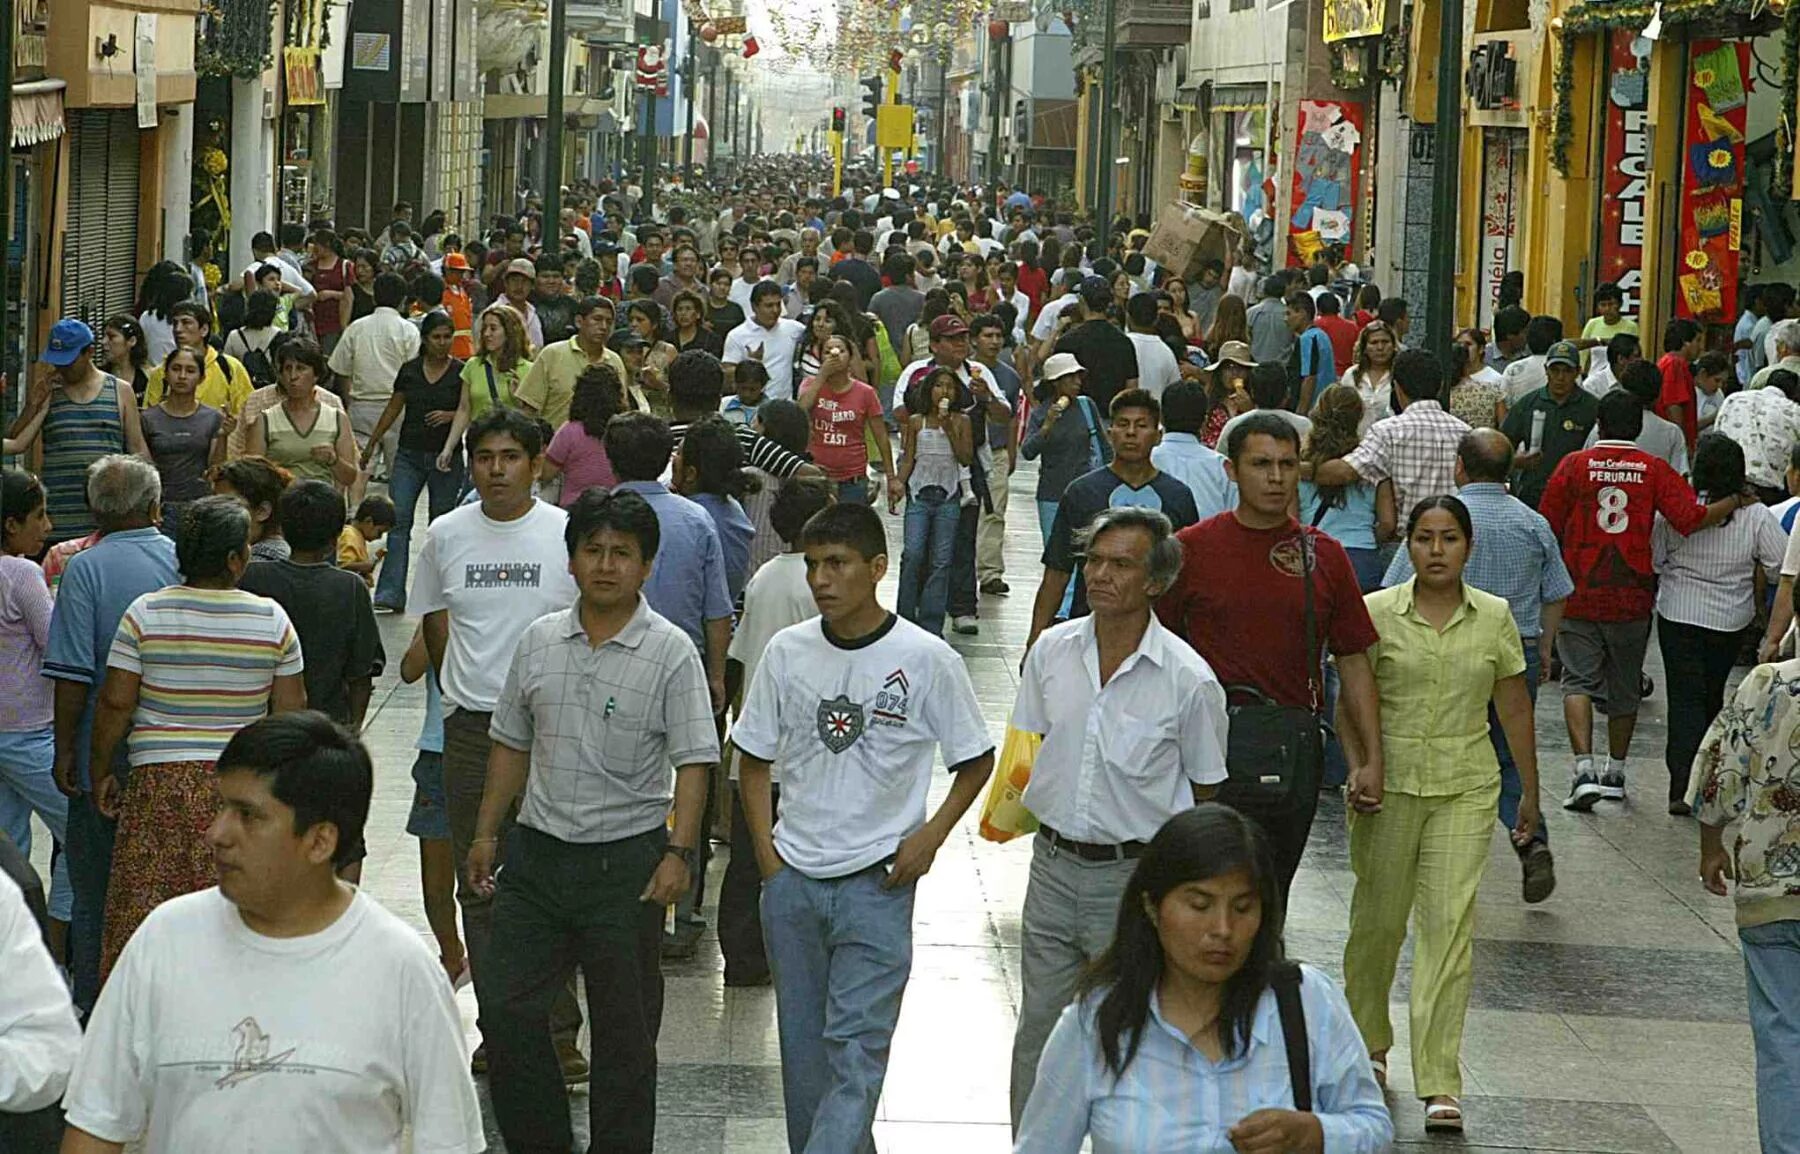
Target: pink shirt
x: 583, y: 461
x: 24, y: 635
x: 839, y: 443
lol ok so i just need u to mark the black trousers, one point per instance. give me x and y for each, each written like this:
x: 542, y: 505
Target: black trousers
x: 962, y: 600
x: 1696, y: 664
x: 1287, y: 824
x: 740, y: 899
x: 560, y: 905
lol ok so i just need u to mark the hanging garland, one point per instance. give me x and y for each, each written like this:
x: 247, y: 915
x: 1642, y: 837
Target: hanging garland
x: 1605, y: 15
x: 1782, y: 186
x: 232, y: 39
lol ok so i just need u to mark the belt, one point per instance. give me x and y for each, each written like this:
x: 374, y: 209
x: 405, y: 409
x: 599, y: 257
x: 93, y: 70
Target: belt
x: 1091, y: 851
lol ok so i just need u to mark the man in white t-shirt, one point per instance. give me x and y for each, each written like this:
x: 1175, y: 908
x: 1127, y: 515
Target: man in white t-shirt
x: 776, y: 597
x: 488, y: 570
x: 1156, y: 363
x: 768, y: 337
x: 853, y: 706
x: 283, y: 1009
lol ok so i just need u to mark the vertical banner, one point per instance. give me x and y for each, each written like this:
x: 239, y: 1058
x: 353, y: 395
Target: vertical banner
x: 1502, y: 171
x: 1325, y: 179
x: 144, y: 56
x: 1624, y: 169
x: 1712, y: 181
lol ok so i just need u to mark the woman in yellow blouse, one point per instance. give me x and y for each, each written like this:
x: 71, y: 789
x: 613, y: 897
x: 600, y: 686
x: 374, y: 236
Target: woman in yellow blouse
x: 1419, y: 830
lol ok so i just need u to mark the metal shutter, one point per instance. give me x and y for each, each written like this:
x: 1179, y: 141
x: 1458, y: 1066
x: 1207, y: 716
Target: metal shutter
x: 100, y: 245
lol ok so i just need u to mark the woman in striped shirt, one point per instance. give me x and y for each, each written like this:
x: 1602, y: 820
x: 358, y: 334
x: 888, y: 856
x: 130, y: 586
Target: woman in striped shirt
x: 190, y: 666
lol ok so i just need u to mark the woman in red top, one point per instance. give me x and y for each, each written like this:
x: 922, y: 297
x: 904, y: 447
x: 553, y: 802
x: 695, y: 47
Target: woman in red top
x: 846, y: 415
x: 973, y: 275
x: 333, y: 279
x: 1034, y: 282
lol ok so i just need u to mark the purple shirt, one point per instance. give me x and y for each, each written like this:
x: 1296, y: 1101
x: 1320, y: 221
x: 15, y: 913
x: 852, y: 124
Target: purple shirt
x: 583, y: 461
x: 25, y: 698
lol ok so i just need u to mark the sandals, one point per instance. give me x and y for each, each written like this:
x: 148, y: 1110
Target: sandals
x: 1379, y: 1065
x: 1444, y: 1117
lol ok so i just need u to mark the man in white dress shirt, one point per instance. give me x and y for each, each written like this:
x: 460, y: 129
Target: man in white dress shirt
x: 1134, y: 725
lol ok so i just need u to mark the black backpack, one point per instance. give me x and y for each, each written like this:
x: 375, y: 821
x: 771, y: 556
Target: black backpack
x: 259, y: 365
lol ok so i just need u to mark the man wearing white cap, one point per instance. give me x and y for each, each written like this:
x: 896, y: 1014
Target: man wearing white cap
x: 517, y: 282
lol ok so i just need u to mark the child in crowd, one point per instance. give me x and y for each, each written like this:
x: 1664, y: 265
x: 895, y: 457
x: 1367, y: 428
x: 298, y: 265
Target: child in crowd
x: 355, y: 551
x: 707, y: 470
x: 938, y: 447
x: 787, y: 424
x: 429, y: 820
x: 751, y: 380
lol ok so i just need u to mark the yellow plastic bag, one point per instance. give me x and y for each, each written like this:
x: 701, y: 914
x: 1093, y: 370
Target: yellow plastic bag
x: 1003, y: 814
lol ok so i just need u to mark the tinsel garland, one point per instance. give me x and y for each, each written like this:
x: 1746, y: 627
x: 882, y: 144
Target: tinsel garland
x: 232, y: 38
x: 1605, y: 15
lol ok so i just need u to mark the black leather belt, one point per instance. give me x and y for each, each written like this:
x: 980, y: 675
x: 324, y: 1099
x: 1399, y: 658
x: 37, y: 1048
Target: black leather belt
x: 1093, y: 851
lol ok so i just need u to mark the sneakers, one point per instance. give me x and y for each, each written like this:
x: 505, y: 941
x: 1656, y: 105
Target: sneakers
x: 1612, y: 785
x: 1540, y: 872
x: 966, y: 625
x: 1584, y: 794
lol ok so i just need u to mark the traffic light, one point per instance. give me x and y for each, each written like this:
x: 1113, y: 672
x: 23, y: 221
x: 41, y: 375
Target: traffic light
x: 837, y: 119
x: 871, y: 95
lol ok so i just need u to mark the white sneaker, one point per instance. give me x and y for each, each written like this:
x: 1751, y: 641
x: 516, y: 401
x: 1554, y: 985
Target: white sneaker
x: 966, y: 625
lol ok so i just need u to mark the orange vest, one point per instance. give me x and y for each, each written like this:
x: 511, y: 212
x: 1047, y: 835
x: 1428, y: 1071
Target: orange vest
x: 462, y: 321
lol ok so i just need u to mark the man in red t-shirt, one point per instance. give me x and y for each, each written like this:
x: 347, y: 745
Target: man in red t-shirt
x: 1240, y: 603
x: 1343, y: 333
x: 1602, y: 503
x: 1682, y: 340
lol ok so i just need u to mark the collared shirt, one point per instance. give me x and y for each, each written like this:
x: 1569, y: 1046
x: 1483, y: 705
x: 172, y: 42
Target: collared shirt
x: 1744, y: 775
x: 1708, y: 577
x: 1515, y: 556
x: 1435, y: 688
x: 775, y: 347
x: 1077, y: 1097
x: 687, y: 583
x: 1494, y: 359
x: 371, y: 352
x: 1270, y: 337
x: 1416, y: 450
x: 1118, y: 759
x: 1766, y: 425
x: 1565, y: 430
x: 1524, y: 375
x: 605, y: 724
x: 224, y: 386
x: 1184, y: 457
x: 550, y: 384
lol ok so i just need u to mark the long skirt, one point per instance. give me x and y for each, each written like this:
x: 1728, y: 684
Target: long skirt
x: 160, y: 851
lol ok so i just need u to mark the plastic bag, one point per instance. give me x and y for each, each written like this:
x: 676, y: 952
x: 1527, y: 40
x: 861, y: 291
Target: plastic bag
x: 1003, y: 813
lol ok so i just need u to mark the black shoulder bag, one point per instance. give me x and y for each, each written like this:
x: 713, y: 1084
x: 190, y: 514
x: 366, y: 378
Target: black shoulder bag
x: 1285, y: 978
x: 1274, y: 754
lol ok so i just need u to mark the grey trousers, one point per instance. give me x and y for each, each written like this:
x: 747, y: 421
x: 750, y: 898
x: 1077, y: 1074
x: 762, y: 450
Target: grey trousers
x: 1071, y: 910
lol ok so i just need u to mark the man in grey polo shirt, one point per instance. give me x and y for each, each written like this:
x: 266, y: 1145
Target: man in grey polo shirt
x: 601, y: 699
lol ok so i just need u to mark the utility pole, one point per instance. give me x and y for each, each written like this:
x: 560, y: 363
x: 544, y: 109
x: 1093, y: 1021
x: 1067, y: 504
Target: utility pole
x: 712, y: 112
x: 1440, y: 267
x: 8, y: 22
x: 687, y: 98
x: 550, y: 234
x: 1109, y: 79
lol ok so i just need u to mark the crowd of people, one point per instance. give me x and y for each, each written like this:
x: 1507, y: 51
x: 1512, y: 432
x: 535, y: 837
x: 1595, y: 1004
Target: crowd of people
x: 1286, y: 550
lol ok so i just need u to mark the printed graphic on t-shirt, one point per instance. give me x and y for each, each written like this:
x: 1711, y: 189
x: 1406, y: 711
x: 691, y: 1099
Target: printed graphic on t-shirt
x: 1125, y: 497
x: 250, y: 1055
x: 840, y: 723
x: 890, y: 703
x: 503, y: 575
x: 1292, y: 556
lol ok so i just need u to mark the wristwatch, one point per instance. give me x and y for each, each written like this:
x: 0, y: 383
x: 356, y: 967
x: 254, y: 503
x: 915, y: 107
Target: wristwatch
x: 684, y: 852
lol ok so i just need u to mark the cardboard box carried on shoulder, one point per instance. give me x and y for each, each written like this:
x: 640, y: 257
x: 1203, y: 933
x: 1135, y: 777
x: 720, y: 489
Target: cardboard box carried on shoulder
x: 1186, y: 237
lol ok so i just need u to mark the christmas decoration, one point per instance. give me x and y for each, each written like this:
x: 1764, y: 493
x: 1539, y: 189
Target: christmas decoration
x: 709, y: 32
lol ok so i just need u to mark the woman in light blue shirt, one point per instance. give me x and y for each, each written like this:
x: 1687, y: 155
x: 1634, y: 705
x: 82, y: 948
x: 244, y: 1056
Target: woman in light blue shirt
x: 1360, y: 516
x: 1177, y: 1041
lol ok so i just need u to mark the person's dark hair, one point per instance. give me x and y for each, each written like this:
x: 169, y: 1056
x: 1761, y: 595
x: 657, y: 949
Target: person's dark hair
x: 212, y: 531
x: 1718, y: 467
x: 192, y: 354
x: 1713, y: 363
x: 260, y: 308
x: 312, y: 515
x: 1418, y: 374
x: 1185, y: 407
x: 1643, y: 380
x: 377, y: 510
x: 785, y: 423
x: 1510, y: 321
x: 1607, y: 291
x: 195, y: 311
x: 1512, y: 289
x: 259, y: 481
x: 503, y: 420
x: 1786, y: 380
x: 428, y: 289
x: 390, y: 290
x: 1273, y: 286
x: 1622, y: 347
x: 165, y: 285
x: 1621, y: 417
x: 645, y: 278
x: 711, y: 449
x: 1208, y: 841
x: 798, y: 499
x: 1319, y: 275
x: 598, y: 398
x: 857, y: 526
x: 1141, y: 310
x: 21, y: 495
x: 1302, y: 302
x: 1541, y: 332
x: 1328, y: 305
x: 621, y: 511
x: 306, y: 351
x: 899, y: 267
x: 127, y: 326
x: 917, y: 398
x: 430, y: 323
x: 984, y: 322
x: 764, y: 289
x: 1141, y: 399
x: 1485, y: 457
x: 1449, y: 504
x: 1268, y: 385
x: 1368, y: 298
x: 315, y: 767
x: 1265, y: 423
x: 638, y: 445
x: 1679, y: 331
x: 1392, y: 311
x: 697, y: 381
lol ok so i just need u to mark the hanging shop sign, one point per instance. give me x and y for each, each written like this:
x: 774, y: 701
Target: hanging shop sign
x: 1712, y: 180
x: 1625, y: 159
x: 1326, y: 178
x: 1350, y: 19
x: 1495, y: 78
x: 305, y: 78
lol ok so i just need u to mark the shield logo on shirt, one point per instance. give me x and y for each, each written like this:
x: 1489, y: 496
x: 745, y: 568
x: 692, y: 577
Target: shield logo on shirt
x: 840, y: 723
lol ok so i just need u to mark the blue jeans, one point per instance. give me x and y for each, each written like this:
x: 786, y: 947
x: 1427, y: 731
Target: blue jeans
x: 931, y: 521
x: 1368, y: 566
x: 1337, y: 766
x: 1047, y: 520
x: 415, y: 471
x: 1510, y: 788
x: 26, y: 786
x: 854, y: 491
x: 1772, y: 975
x: 89, y: 848
x: 840, y: 951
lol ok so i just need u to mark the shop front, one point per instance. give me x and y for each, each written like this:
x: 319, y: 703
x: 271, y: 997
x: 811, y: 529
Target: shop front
x: 37, y: 138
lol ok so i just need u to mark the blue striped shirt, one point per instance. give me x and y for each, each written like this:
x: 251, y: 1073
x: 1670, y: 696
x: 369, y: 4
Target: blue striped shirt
x: 1174, y: 1098
x: 1515, y: 556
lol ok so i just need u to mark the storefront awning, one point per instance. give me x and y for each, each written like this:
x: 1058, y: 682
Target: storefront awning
x: 37, y: 112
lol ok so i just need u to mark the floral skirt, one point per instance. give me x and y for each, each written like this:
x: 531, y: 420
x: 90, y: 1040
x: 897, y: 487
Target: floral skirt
x: 160, y: 850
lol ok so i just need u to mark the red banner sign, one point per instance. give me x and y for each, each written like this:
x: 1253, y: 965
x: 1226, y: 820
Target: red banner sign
x: 1712, y: 181
x: 1624, y: 170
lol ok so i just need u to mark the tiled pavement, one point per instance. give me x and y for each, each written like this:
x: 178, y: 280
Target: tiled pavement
x: 1610, y: 1018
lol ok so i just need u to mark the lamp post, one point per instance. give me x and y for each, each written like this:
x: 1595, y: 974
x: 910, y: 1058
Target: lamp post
x: 1109, y: 78
x: 553, y: 127
x: 1440, y: 267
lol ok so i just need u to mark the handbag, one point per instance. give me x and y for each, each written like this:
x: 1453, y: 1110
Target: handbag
x: 1274, y: 754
